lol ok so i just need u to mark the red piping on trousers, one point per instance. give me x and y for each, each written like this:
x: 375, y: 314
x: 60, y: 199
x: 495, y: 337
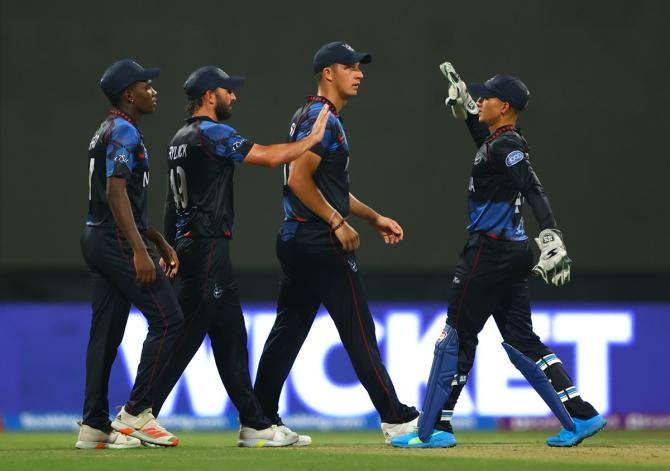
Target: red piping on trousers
x: 360, y: 326
x: 160, y: 309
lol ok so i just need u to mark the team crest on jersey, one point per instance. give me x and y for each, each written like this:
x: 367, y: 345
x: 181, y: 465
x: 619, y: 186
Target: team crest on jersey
x: 292, y: 130
x: 514, y: 158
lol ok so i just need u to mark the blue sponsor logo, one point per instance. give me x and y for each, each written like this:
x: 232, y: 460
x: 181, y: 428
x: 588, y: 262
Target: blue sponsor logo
x: 514, y: 157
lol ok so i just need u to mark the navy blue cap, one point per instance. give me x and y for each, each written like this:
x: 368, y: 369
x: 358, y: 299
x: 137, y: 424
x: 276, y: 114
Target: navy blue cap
x: 122, y: 74
x: 338, y: 52
x: 505, y: 87
x: 210, y: 77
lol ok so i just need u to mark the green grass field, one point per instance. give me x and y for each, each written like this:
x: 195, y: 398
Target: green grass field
x: 609, y: 450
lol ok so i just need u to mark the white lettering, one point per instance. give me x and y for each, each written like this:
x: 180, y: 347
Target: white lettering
x: 407, y: 339
x: 592, y: 335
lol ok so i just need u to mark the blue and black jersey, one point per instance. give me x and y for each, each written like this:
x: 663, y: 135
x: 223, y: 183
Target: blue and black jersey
x: 502, y: 179
x: 331, y: 176
x: 117, y: 150
x: 201, y: 164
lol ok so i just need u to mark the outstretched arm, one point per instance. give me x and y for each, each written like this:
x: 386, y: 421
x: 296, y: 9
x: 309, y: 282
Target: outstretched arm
x: 278, y: 154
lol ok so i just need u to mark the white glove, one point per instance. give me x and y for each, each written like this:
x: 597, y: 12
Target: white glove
x: 554, y: 263
x: 459, y: 100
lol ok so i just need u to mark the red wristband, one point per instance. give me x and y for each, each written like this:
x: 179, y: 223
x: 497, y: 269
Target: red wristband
x: 338, y: 226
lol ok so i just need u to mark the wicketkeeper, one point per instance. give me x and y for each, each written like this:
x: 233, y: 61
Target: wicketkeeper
x: 491, y: 277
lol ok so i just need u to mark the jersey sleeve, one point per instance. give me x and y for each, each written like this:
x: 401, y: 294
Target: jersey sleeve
x: 224, y: 142
x: 123, y: 148
x: 478, y: 131
x: 512, y: 158
x: 305, y: 127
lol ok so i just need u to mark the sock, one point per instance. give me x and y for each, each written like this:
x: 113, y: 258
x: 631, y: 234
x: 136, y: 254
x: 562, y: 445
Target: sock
x: 560, y: 380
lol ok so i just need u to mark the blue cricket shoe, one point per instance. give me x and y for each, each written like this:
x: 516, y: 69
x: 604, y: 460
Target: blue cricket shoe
x: 438, y: 439
x: 583, y: 429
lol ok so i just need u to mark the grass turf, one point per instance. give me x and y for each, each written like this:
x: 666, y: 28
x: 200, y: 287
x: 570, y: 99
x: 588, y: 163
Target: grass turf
x: 518, y: 451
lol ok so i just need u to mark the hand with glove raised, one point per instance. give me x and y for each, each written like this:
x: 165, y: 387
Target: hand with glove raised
x: 554, y: 263
x: 459, y: 100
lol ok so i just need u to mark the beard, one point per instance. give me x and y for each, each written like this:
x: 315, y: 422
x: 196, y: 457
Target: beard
x: 222, y: 111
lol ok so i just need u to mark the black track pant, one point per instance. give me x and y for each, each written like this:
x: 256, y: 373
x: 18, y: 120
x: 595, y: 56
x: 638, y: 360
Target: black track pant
x: 491, y: 278
x: 311, y: 276
x: 110, y: 261
x: 208, y: 295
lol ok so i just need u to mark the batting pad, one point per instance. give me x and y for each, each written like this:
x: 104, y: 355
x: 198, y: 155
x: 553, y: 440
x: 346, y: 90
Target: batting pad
x: 442, y: 372
x: 539, y: 381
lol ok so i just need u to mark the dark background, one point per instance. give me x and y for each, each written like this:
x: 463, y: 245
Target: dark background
x: 598, y: 75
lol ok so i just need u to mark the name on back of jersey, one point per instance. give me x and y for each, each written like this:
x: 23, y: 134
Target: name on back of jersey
x: 177, y: 152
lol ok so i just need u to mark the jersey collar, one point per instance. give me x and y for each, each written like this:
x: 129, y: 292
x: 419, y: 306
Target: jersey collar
x: 190, y: 119
x: 501, y: 130
x: 118, y: 113
x: 325, y: 101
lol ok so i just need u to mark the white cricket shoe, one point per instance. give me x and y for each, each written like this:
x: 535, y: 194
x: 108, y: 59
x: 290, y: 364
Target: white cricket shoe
x: 145, y: 427
x: 303, y: 440
x: 395, y: 430
x: 271, y: 436
x: 91, y: 438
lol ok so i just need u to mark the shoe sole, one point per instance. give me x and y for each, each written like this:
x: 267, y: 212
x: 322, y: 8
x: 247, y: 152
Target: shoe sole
x: 131, y: 432
x: 260, y: 443
x: 580, y: 440
x: 303, y: 440
x: 102, y: 445
x: 425, y: 445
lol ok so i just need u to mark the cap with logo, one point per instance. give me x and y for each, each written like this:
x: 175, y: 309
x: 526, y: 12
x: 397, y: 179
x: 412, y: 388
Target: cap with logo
x: 210, y: 77
x: 505, y: 87
x: 122, y: 74
x: 338, y: 52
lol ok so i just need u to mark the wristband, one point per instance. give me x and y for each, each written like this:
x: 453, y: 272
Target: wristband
x: 330, y: 219
x: 341, y: 223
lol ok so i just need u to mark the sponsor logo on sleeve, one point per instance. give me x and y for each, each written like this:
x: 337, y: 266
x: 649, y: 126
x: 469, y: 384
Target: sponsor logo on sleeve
x: 514, y: 157
x: 237, y: 144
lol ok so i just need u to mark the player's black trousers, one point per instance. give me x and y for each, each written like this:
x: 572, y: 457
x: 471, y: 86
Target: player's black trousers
x: 491, y: 278
x: 311, y: 276
x: 208, y: 296
x: 110, y: 261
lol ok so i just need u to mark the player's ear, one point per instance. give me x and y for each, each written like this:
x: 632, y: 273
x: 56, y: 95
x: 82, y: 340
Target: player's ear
x: 327, y: 74
x: 128, y: 95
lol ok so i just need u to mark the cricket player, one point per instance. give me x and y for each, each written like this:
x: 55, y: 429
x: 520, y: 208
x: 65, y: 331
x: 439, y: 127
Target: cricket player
x: 316, y: 249
x: 123, y: 270
x: 491, y: 276
x: 202, y: 157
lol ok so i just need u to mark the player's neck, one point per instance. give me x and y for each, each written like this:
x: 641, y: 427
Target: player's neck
x: 208, y: 113
x: 131, y: 111
x: 332, y: 96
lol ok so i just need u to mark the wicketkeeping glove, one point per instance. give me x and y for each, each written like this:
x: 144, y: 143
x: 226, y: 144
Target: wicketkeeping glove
x: 459, y: 100
x: 554, y: 263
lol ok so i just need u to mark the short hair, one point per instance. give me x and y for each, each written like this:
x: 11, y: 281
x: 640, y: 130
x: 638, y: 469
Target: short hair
x: 114, y: 98
x: 193, y: 104
x: 318, y: 76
